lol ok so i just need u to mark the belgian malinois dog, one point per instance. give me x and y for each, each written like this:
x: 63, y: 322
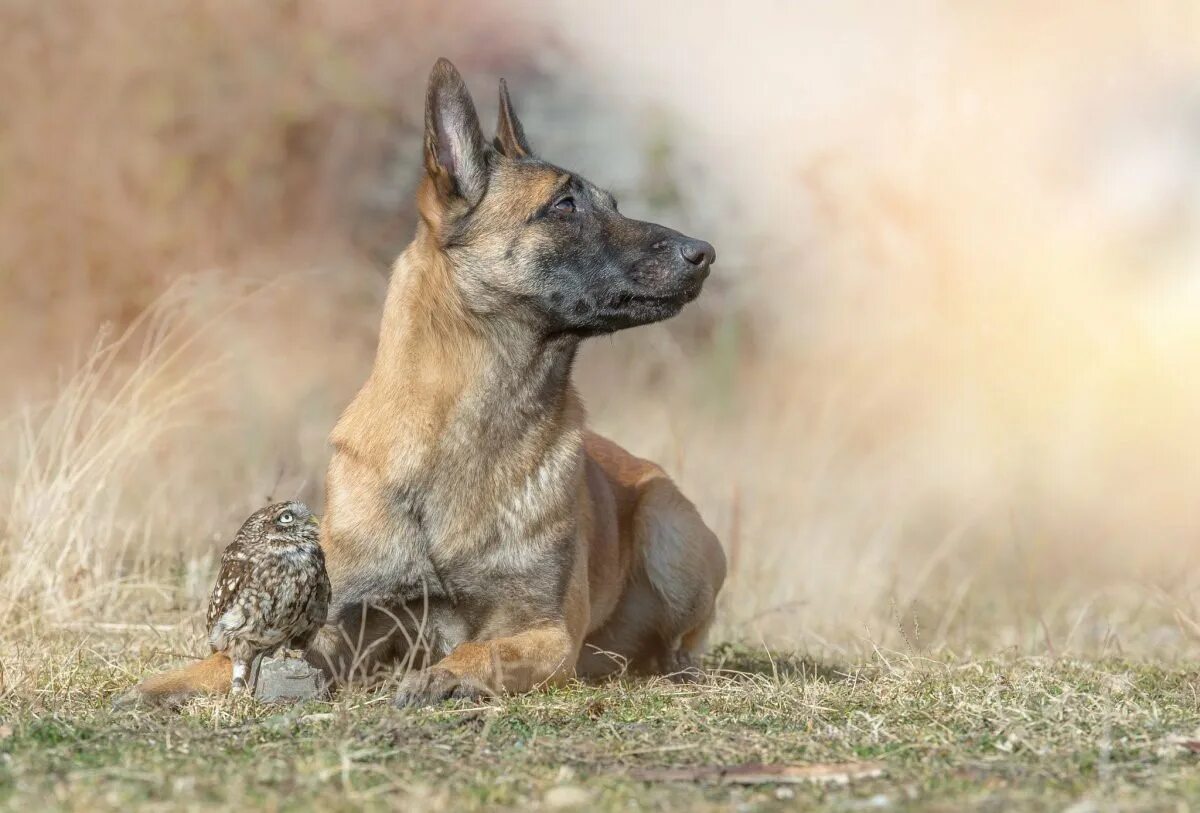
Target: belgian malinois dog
x: 475, y: 531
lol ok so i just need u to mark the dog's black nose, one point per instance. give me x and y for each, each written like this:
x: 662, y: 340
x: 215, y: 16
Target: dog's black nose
x: 698, y: 252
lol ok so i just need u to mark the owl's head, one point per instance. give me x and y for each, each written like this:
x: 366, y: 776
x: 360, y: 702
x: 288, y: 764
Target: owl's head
x: 283, y: 523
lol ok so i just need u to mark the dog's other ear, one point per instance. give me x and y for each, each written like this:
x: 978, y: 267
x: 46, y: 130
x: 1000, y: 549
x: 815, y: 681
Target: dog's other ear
x: 455, y: 152
x: 510, y: 135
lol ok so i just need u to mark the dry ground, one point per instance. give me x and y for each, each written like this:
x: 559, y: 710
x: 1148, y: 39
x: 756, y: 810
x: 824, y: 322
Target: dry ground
x: 939, y: 401
x: 994, y: 734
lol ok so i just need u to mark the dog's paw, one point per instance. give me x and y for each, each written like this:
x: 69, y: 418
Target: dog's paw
x: 683, y: 668
x: 433, y: 685
x: 687, y: 675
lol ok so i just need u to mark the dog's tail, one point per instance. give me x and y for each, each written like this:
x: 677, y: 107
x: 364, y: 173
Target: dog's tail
x: 213, y: 675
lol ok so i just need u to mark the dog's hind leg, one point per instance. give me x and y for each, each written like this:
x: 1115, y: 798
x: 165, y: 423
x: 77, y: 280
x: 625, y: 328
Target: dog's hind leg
x: 661, y: 623
x: 685, y: 566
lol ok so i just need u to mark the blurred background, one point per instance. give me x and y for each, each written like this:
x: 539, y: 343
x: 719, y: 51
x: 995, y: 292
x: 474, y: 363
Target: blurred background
x: 941, y: 396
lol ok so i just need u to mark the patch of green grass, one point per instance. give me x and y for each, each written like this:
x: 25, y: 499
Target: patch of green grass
x: 983, y: 734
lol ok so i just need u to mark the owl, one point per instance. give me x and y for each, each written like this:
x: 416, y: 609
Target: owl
x: 272, y: 591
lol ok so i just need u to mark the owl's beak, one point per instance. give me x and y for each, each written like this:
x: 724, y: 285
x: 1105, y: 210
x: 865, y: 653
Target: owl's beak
x: 314, y: 521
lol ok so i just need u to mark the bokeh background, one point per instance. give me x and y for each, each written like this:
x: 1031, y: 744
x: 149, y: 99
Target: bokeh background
x: 942, y: 394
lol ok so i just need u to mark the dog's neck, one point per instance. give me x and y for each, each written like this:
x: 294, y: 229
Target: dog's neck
x: 445, y: 373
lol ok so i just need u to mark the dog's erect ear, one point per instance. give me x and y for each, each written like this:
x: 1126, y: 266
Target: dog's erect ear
x: 455, y: 152
x: 510, y: 135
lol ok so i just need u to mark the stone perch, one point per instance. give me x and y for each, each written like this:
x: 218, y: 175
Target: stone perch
x: 287, y: 680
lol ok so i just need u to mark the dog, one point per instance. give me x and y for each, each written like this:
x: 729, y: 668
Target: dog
x: 476, y: 533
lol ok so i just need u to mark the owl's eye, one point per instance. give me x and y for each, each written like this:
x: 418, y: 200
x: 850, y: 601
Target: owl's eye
x: 287, y: 518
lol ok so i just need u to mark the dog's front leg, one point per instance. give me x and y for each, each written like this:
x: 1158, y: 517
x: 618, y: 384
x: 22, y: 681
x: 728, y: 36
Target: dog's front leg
x: 517, y: 663
x: 525, y: 642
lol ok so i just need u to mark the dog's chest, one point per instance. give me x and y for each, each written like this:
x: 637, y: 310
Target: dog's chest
x: 463, y: 531
x: 497, y: 505
x: 464, y: 552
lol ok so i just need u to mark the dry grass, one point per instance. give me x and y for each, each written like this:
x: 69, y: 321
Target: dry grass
x: 939, y: 400
x: 993, y: 734
x: 84, y: 516
x: 70, y: 519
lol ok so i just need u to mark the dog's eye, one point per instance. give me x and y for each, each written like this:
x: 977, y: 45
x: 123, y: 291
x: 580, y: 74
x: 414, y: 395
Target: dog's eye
x: 565, y: 206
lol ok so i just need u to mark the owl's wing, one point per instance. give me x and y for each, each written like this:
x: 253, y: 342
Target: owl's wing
x: 318, y: 603
x: 235, y: 571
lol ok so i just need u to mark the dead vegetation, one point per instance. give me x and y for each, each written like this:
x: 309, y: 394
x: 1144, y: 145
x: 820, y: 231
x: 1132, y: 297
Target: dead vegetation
x: 766, y: 732
x: 939, y: 402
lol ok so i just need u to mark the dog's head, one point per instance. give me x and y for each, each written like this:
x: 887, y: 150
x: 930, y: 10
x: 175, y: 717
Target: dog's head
x: 530, y: 241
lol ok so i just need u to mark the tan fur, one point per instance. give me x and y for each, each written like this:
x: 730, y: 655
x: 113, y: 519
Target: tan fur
x: 465, y: 493
x: 213, y: 675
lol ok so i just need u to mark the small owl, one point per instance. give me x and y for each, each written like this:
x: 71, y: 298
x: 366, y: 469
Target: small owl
x: 272, y: 590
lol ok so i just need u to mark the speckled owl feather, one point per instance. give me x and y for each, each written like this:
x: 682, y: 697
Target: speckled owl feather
x: 272, y: 590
